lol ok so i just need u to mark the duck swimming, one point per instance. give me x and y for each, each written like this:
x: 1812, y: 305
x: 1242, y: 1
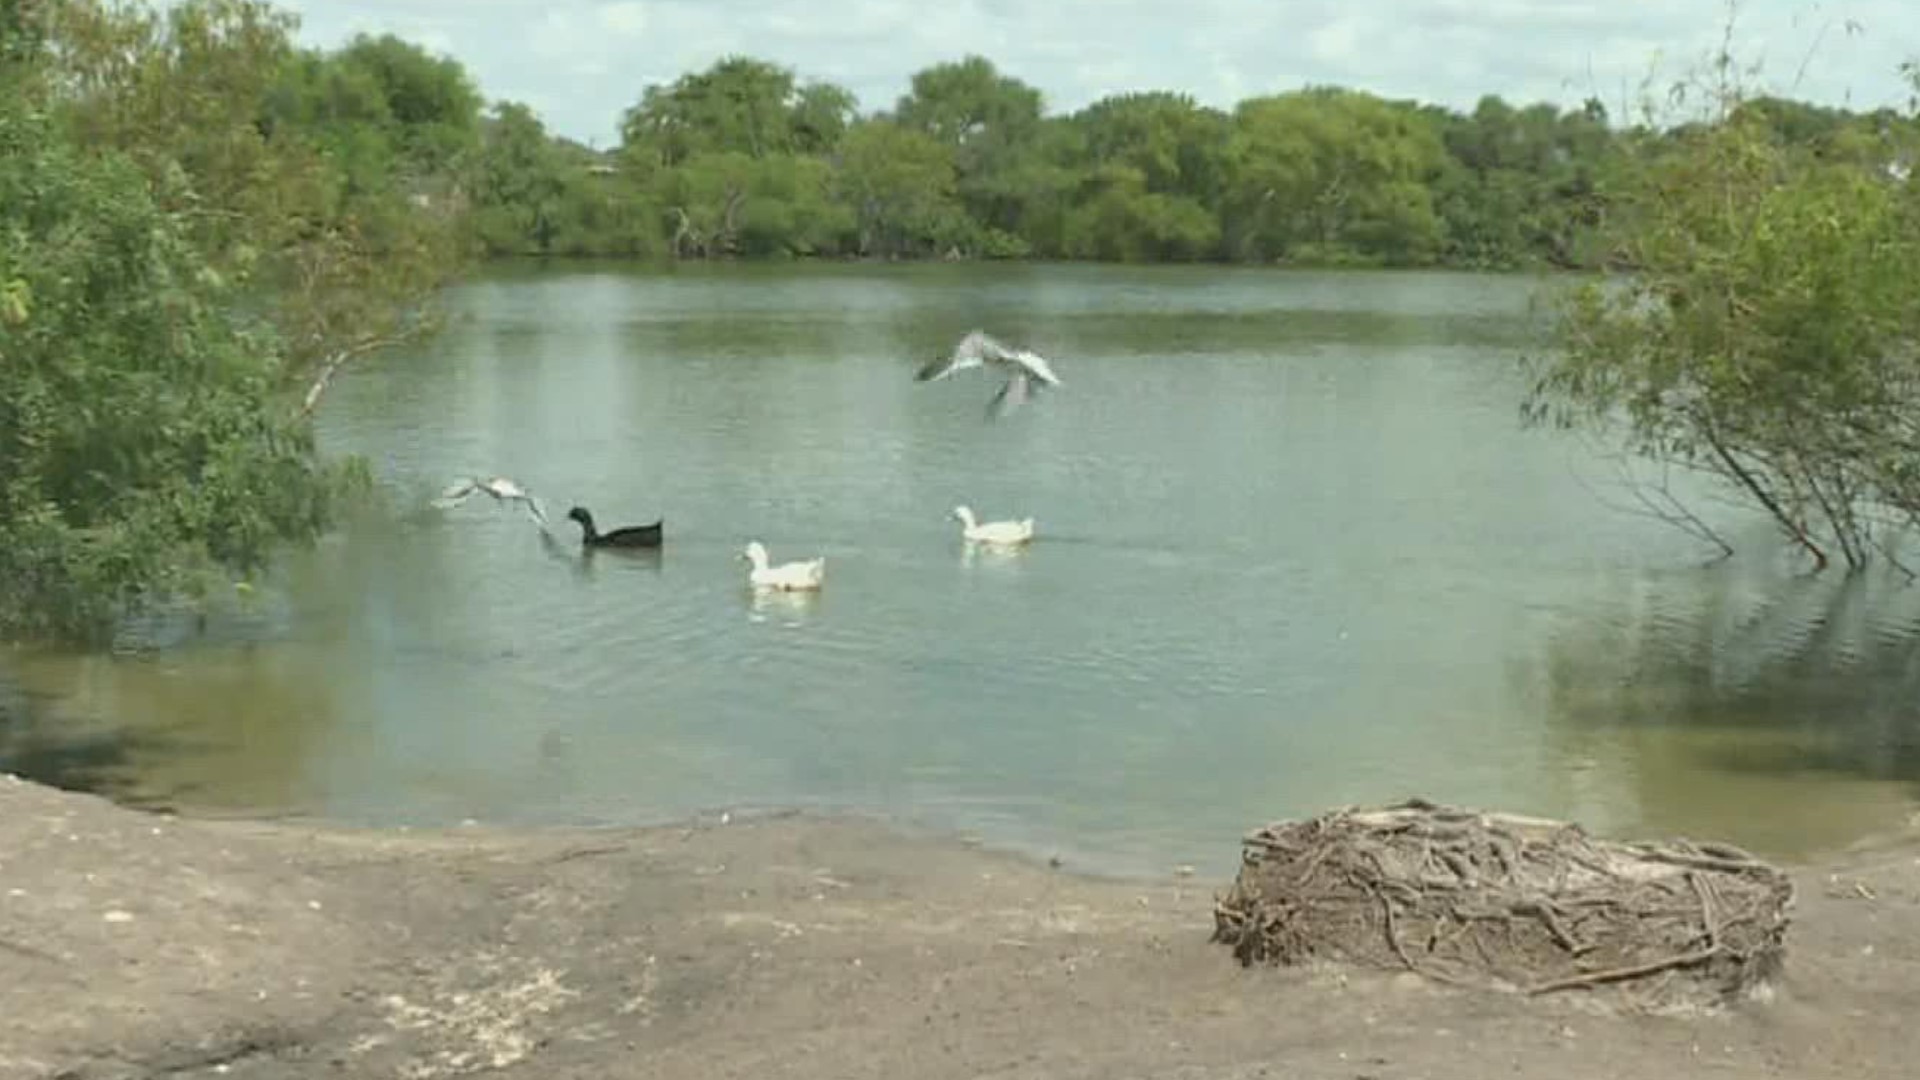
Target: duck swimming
x: 788, y: 576
x: 993, y: 532
x: 630, y: 536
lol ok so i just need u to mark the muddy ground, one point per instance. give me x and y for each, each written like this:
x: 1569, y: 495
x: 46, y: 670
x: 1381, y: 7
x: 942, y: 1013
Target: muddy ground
x: 134, y: 945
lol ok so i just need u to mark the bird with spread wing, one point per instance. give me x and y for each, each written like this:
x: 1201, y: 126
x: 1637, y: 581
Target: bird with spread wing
x: 1027, y: 371
x: 502, y: 489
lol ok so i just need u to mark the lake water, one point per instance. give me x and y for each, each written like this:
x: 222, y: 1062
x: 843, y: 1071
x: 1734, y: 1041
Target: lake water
x: 1295, y: 551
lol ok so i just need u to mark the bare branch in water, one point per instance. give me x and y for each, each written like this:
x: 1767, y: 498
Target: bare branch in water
x: 1653, y: 499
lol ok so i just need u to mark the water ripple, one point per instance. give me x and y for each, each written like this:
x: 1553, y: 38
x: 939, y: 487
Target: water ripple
x: 1292, y: 553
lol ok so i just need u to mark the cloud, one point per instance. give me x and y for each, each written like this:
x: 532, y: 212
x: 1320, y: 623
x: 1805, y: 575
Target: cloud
x: 626, y: 19
x: 581, y: 62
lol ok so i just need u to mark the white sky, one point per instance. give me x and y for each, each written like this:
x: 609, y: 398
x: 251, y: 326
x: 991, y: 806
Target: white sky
x: 579, y: 63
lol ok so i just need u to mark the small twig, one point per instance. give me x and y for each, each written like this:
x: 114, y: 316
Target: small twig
x: 586, y: 852
x: 1707, y: 919
x: 28, y: 950
x: 1722, y: 850
x: 1427, y: 830
x: 1596, y: 978
x: 1702, y: 862
x: 1461, y: 926
x: 1460, y: 867
x: 1509, y: 860
x: 1393, y: 934
x: 1307, y: 872
x: 1544, y: 912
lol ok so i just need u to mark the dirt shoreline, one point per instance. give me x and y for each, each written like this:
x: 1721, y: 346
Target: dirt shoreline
x: 138, y: 945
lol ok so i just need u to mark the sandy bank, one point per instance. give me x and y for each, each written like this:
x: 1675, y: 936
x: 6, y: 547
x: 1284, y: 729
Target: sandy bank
x: 142, y: 946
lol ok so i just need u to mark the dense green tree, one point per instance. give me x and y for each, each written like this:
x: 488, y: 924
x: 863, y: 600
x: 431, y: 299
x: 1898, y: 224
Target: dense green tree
x: 1120, y: 218
x: 1766, y: 334
x: 143, y: 443
x: 1154, y: 169
x: 1179, y: 147
x: 1320, y: 175
x: 1524, y: 184
x: 993, y: 124
x: 518, y: 183
x: 431, y: 102
x: 821, y: 114
x: 900, y: 185
x: 533, y: 194
x: 606, y: 215
x: 342, y: 251
x: 969, y: 105
x: 1333, y: 174
x: 738, y: 106
x: 734, y: 157
x: 199, y: 224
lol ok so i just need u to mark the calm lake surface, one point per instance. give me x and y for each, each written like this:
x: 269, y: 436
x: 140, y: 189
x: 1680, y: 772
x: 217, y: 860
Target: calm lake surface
x: 1295, y: 552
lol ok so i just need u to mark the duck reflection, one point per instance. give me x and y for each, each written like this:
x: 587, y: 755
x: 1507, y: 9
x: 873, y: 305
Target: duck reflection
x: 585, y: 561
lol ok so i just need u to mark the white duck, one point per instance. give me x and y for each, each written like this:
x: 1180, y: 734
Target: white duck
x: 1026, y: 370
x: 787, y: 576
x: 993, y: 532
x: 502, y: 489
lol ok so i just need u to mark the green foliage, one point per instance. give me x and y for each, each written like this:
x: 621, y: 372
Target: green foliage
x: 23, y: 31
x: 141, y: 447
x: 740, y: 106
x: 518, y: 183
x: 536, y: 195
x: 1526, y: 181
x: 430, y: 105
x: 199, y: 224
x: 309, y: 179
x: 990, y: 121
x: 1119, y: 219
x: 1766, y: 332
x: 1341, y: 175
x: 743, y: 159
x: 900, y: 185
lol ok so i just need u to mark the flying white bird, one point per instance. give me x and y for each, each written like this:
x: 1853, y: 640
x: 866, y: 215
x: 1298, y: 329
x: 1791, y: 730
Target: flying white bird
x: 502, y: 489
x: 1026, y: 370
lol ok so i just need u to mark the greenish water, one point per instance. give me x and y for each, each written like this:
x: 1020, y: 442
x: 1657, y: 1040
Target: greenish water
x: 1295, y: 552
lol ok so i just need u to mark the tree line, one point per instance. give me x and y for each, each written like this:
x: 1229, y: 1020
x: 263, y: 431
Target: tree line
x: 202, y: 223
x: 747, y: 159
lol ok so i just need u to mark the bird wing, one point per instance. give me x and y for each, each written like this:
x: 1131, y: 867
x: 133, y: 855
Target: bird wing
x: 535, y: 510
x: 1017, y: 392
x: 979, y: 346
x: 504, y: 488
x: 455, y: 494
x: 1037, y: 364
x: 938, y: 368
x: 975, y: 349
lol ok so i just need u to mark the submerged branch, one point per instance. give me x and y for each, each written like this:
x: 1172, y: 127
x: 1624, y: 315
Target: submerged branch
x: 1752, y: 483
x: 1657, y: 501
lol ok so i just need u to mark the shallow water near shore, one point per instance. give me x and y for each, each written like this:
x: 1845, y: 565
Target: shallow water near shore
x: 1295, y: 552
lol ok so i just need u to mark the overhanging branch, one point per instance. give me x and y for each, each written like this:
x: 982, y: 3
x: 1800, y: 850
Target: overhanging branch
x: 332, y: 364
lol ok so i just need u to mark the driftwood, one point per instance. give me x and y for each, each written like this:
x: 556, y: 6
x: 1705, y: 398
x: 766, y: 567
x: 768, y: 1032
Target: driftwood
x: 1511, y: 902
